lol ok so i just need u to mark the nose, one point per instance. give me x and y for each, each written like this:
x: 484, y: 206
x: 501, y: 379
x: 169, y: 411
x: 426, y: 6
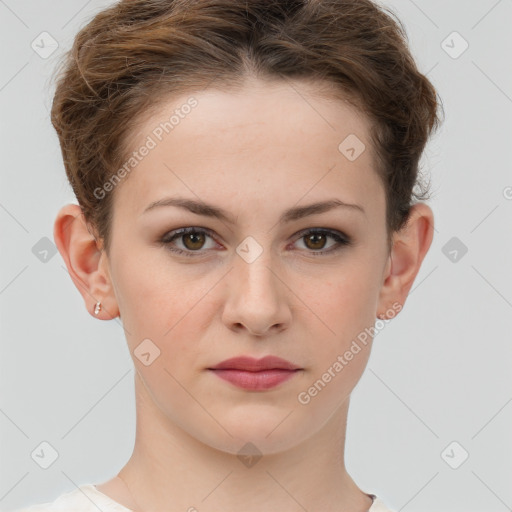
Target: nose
x: 257, y: 297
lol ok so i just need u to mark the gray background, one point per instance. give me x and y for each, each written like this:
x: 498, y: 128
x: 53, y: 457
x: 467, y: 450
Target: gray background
x: 440, y: 372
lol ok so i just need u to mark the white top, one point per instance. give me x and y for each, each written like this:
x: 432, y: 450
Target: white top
x: 88, y: 499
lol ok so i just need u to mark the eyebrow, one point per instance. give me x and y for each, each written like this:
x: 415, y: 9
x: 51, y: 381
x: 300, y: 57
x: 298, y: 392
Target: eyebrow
x: 292, y: 214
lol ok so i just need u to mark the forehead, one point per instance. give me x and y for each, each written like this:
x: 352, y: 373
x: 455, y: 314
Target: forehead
x: 282, y: 136
x: 259, y: 108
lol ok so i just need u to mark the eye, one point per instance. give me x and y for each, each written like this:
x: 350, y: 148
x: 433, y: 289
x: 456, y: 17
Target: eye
x: 315, y: 239
x: 192, y: 240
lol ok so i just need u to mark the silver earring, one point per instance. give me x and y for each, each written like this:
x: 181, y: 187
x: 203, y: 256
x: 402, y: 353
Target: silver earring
x: 97, y: 308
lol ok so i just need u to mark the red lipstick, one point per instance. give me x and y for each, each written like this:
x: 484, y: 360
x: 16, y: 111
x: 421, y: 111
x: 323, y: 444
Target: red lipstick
x: 255, y: 374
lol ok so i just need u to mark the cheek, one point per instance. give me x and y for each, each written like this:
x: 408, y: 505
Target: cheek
x: 143, y: 284
x: 160, y: 303
x: 342, y: 354
x: 346, y: 302
x: 347, y: 306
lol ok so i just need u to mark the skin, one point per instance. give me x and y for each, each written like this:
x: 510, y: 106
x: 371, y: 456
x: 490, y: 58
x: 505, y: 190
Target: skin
x: 255, y: 153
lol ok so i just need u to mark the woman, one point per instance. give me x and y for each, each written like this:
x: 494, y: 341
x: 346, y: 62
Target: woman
x: 245, y: 174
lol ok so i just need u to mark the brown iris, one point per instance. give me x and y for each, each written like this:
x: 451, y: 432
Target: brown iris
x: 316, y: 240
x: 193, y: 241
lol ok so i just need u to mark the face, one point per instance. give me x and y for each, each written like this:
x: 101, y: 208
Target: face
x: 268, y: 277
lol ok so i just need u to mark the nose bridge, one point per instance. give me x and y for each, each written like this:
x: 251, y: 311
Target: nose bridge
x: 255, y: 268
x: 255, y: 299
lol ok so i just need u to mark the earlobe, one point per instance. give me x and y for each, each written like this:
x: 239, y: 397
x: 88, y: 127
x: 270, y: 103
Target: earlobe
x: 85, y: 261
x: 410, y: 246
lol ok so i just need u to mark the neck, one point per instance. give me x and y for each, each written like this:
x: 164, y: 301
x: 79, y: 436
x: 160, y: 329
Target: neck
x: 171, y: 470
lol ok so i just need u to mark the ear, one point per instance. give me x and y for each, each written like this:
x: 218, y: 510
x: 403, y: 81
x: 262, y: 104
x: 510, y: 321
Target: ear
x: 86, y: 261
x: 410, y: 245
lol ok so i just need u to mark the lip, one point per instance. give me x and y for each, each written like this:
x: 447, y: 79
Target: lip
x: 251, y: 364
x: 255, y: 374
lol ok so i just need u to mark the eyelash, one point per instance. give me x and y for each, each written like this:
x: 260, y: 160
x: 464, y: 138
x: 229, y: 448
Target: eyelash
x: 342, y: 239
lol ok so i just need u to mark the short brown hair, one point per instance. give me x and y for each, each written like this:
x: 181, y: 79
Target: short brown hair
x: 138, y: 52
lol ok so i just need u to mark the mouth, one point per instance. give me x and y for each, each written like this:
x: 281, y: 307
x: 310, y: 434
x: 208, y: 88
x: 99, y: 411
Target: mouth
x: 250, y: 364
x: 255, y: 374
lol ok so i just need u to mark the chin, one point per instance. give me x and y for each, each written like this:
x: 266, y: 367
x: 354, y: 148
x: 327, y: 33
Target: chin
x: 256, y: 432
